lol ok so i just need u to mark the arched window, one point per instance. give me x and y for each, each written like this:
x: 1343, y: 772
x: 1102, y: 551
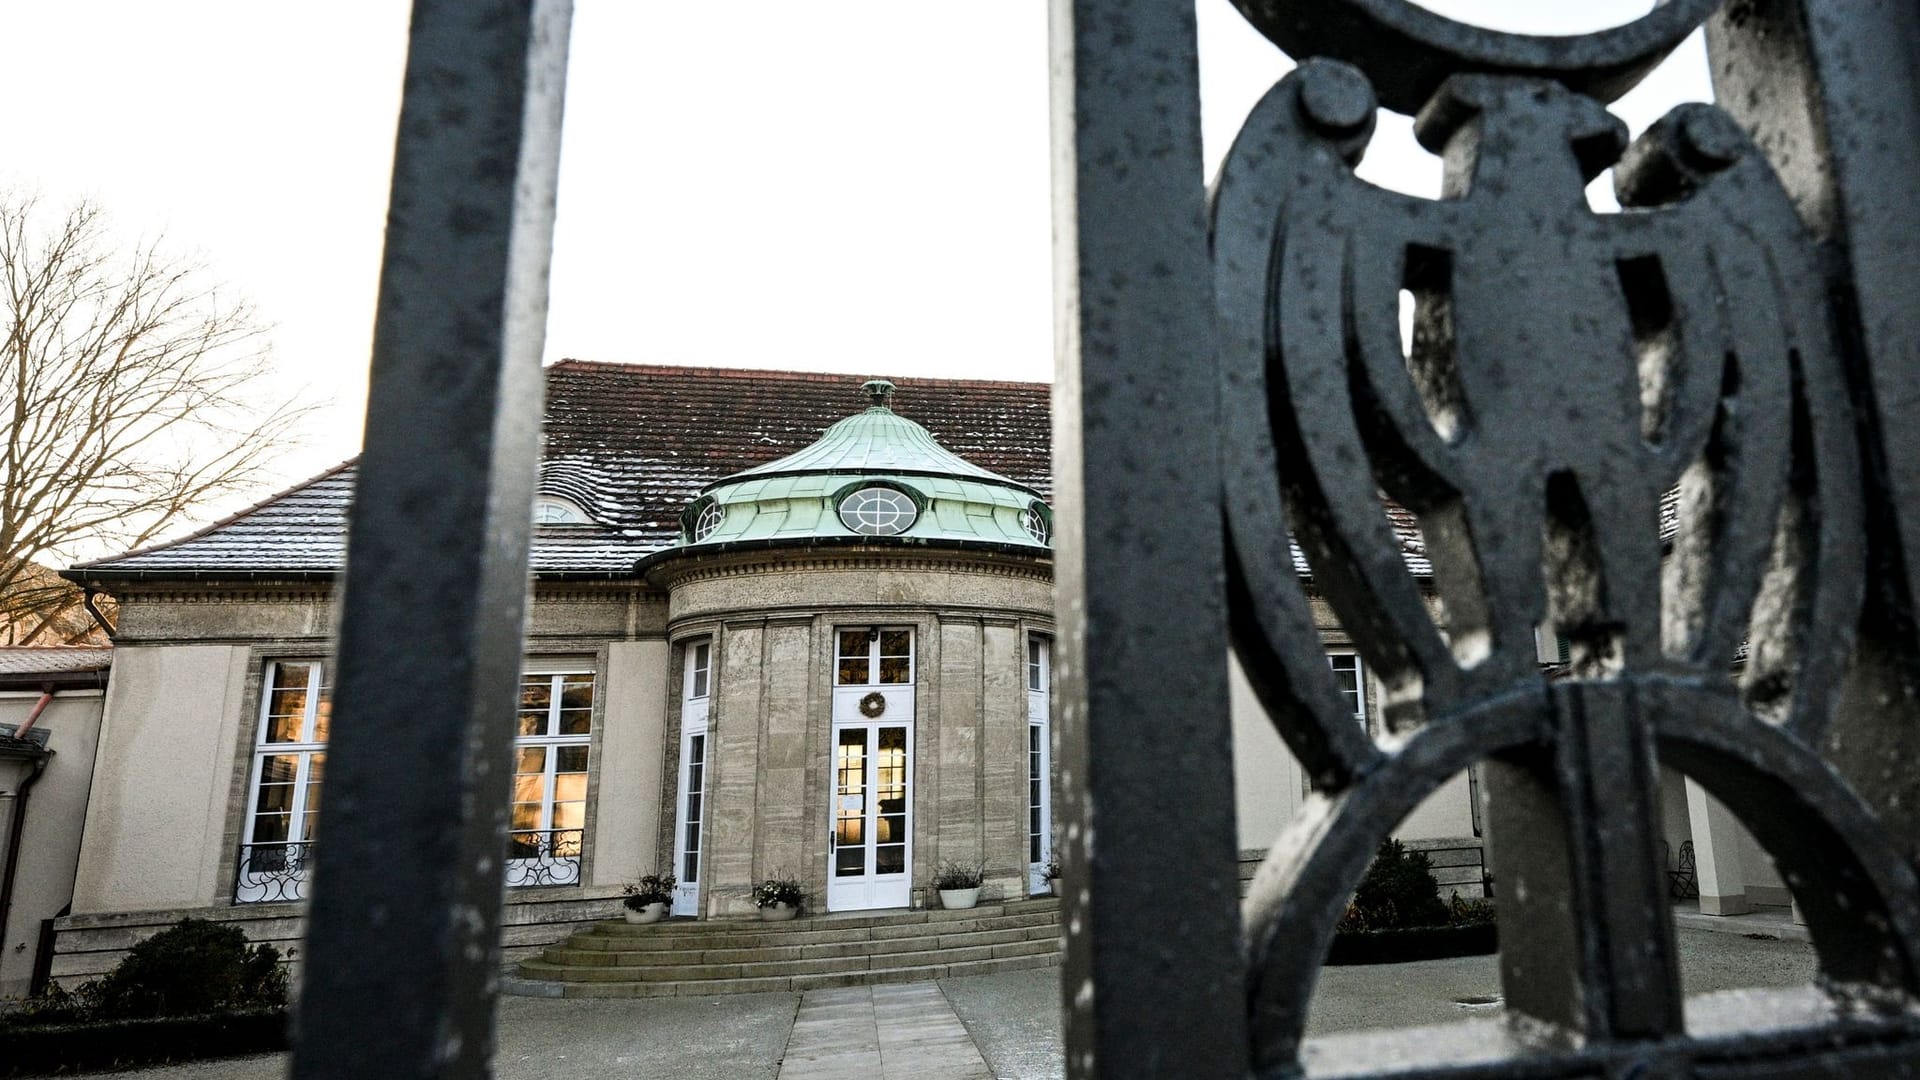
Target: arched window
x: 554, y: 510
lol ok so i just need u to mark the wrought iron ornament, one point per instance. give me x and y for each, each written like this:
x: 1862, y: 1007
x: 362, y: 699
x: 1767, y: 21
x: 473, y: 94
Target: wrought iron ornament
x: 1633, y: 430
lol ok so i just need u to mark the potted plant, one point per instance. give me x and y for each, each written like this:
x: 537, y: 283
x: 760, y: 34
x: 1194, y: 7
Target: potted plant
x: 1052, y: 874
x: 647, y: 899
x: 959, y: 885
x: 778, y: 898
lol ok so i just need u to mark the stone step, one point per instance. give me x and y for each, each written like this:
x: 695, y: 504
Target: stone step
x: 623, y: 937
x: 618, y: 959
x: 696, y: 953
x: 749, y: 971
x: 843, y: 921
x: 787, y: 983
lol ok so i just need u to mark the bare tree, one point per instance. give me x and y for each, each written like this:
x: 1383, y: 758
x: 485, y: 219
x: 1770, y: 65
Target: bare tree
x: 132, y: 388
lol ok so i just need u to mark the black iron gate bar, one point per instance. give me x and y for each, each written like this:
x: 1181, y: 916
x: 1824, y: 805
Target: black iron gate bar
x: 403, y: 933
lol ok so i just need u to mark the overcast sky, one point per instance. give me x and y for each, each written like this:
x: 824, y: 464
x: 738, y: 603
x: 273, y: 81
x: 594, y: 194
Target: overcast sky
x: 854, y: 185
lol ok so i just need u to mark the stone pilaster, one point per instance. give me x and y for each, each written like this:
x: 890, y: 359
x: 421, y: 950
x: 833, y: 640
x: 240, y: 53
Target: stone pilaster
x: 785, y: 829
x: 734, y: 730
x: 1004, y: 767
x: 956, y: 828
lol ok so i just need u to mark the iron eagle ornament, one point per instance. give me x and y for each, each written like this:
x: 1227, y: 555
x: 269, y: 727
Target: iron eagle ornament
x: 1631, y: 430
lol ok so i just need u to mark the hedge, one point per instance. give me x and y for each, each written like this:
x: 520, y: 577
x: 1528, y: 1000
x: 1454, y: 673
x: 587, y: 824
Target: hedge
x: 1416, y: 943
x: 39, y: 1049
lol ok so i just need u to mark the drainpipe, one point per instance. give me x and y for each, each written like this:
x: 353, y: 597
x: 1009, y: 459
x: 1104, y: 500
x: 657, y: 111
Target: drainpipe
x: 18, y: 827
x: 46, y: 698
x: 86, y: 600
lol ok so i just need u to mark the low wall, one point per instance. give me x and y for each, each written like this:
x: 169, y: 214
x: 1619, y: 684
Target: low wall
x: 1459, y: 865
x: 87, y: 946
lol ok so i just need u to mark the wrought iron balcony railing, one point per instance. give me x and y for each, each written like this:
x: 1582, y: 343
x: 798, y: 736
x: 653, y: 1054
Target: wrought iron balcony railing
x: 278, y: 871
x: 543, y: 857
x: 270, y: 872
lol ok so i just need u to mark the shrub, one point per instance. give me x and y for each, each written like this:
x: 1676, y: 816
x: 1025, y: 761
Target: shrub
x: 189, y: 969
x: 955, y: 875
x: 651, y: 889
x: 1398, y: 892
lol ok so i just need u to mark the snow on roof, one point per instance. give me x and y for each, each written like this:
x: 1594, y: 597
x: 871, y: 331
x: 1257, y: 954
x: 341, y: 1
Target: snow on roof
x: 53, y: 659
x: 632, y: 444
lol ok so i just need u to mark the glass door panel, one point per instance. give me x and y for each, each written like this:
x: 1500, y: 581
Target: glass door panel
x: 850, y: 803
x: 890, y: 797
x: 693, y: 797
x: 872, y: 821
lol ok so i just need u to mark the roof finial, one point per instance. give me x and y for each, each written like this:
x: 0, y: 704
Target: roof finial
x: 881, y: 391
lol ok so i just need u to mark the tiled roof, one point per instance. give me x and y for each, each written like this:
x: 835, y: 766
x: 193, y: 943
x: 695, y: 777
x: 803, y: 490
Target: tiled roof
x: 53, y: 659
x: 633, y: 444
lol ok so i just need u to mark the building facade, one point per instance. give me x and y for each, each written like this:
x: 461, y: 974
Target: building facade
x: 781, y: 625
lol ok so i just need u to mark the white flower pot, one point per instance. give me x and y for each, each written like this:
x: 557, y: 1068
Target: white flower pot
x: 779, y: 912
x: 652, y: 913
x: 959, y: 899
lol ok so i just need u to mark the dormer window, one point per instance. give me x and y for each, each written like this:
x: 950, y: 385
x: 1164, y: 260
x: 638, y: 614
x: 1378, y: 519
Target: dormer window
x: 553, y: 510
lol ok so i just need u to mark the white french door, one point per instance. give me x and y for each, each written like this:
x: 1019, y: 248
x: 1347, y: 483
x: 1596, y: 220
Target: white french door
x: 868, y: 857
x: 695, y: 746
x: 870, y: 817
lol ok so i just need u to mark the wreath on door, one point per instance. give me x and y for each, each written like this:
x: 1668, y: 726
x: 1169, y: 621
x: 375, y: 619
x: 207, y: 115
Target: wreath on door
x: 873, y: 705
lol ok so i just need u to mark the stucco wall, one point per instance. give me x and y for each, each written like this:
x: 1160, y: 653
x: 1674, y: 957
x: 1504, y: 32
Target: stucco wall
x: 633, y: 721
x: 159, y: 816
x: 1267, y: 782
x: 55, y: 811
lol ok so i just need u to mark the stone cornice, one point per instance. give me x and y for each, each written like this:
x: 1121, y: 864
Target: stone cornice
x: 692, y: 568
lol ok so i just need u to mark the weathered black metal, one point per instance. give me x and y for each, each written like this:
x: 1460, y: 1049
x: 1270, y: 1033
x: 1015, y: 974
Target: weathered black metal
x: 1635, y: 430
x: 1409, y: 51
x: 1831, y: 93
x: 1150, y: 981
x: 403, y: 939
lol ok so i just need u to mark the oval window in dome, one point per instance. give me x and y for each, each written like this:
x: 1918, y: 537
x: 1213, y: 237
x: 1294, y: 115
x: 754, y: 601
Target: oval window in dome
x: 706, y: 521
x: 1035, y: 520
x: 878, y: 511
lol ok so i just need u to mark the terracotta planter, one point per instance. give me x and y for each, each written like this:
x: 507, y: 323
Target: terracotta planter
x: 779, y: 912
x: 959, y: 899
x: 652, y: 913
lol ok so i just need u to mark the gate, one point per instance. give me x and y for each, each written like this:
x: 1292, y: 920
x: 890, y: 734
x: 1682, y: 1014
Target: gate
x: 1671, y: 435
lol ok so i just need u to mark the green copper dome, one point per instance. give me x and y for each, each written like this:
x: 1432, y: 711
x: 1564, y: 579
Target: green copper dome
x: 875, y: 474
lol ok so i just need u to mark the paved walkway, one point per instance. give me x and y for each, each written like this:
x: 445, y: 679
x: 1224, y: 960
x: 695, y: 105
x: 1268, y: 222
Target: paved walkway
x: 986, y: 1026
x: 901, y: 1032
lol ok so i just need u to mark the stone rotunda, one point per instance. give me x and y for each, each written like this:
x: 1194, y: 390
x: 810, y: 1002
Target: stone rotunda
x: 862, y: 634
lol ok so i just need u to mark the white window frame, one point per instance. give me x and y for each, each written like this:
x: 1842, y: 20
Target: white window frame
x: 872, y: 653
x: 1358, y: 684
x: 557, y: 510
x: 263, y: 876
x: 560, y: 863
x: 698, y: 683
x: 1039, y: 682
x: 696, y: 693
x: 284, y: 877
